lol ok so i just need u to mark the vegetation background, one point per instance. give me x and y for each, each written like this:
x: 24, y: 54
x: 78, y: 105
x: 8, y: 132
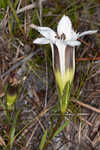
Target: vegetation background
x: 26, y: 75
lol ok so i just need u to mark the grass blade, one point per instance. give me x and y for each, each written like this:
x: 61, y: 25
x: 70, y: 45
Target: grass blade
x: 61, y: 128
x: 43, y: 140
x: 12, y: 131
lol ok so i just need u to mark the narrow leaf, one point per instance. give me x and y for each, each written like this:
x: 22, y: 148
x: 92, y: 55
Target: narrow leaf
x: 61, y: 128
x: 12, y: 131
x: 43, y: 140
x: 12, y: 137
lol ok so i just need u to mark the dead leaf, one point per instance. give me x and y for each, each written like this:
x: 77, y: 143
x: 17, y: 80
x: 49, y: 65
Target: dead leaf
x: 2, y: 142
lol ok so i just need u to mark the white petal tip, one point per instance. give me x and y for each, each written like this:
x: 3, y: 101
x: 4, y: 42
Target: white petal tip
x: 33, y: 26
x: 88, y: 32
x: 93, y: 31
x: 41, y: 41
x: 73, y: 43
x: 64, y: 26
x: 65, y: 17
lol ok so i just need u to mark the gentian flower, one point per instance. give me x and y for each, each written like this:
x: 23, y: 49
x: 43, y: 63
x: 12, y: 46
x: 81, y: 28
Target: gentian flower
x: 63, y: 44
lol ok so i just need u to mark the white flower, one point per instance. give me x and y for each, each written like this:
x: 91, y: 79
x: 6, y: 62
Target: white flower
x: 62, y: 44
x: 65, y: 33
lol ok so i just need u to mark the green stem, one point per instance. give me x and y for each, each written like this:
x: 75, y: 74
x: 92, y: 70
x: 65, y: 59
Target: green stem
x: 53, y: 131
x: 17, y: 19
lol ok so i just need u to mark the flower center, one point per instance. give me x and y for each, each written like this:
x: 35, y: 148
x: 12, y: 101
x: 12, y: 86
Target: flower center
x: 61, y: 37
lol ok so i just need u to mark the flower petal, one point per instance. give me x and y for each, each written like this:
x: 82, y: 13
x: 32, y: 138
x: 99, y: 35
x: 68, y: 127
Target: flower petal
x: 45, y: 31
x: 65, y: 27
x: 87, y: 32
x: 41, y: 41
x: 72, y: 43
x: 61, y: 49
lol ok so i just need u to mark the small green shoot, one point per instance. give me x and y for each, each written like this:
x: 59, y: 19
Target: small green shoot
x: 12, y: 131
x: 11, y: 96
x: 43, y: 140
x: 16, y: 17
x: 61, y: 128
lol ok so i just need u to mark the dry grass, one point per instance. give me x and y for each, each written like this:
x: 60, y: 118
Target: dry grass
x: 30, y: 68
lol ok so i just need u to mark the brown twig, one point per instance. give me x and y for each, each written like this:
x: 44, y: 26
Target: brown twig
x: 19, y: 63
x: 29, y: 140
x: 28, y: 7
x: 86, y: 121
x: 87, y: 59
x: 82, y: 41
x: 85, y: 105
x: 36, y: 97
